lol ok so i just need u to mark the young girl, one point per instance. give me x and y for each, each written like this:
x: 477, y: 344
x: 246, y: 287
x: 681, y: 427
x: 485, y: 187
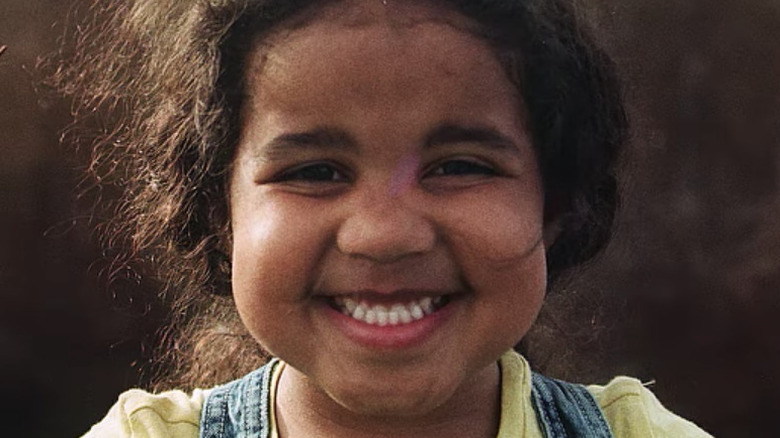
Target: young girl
x: 386, y: 190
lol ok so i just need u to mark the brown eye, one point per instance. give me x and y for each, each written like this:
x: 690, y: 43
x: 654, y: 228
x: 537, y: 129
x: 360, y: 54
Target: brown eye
x: 461, y: 167
x: 319, y: 172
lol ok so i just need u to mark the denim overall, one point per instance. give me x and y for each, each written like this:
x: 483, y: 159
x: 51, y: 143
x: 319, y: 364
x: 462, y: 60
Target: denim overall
x: 564, y: 410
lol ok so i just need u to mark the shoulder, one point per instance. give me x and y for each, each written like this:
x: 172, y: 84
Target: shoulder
x: 141, y: 414
x: 632, y: 410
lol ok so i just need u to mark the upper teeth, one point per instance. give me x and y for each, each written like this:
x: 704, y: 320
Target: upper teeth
x: 382, y: 315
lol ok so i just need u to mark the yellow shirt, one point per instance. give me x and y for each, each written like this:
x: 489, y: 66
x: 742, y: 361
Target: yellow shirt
x: 631, y: 410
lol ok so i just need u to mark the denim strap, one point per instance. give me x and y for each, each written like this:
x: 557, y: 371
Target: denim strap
x: 240, y: 408
x: 567, y: 410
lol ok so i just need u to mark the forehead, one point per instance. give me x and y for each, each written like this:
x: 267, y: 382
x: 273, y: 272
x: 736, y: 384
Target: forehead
x: 376, y: 50
x: 402, y: 24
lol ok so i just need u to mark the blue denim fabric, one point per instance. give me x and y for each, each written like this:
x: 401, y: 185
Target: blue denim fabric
x: 567, y: 410
x: 242, y: 408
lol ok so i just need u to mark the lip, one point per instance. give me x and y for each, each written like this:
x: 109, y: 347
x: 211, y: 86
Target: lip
x: 391, y: 337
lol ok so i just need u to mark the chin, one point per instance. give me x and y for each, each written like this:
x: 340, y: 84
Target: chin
x: 393, y: 399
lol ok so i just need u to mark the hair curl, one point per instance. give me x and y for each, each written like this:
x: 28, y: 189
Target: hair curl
x: 167, y: 76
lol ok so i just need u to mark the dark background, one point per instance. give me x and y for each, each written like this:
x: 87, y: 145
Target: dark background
x: 687, y: 294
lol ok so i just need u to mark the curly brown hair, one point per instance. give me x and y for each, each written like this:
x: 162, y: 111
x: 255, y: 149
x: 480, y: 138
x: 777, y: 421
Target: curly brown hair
x: 165, y: 77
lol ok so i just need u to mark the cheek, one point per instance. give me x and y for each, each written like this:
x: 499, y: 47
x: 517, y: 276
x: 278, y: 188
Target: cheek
x: 273, y: 254
x: 502, y: 230
x: 512, y: 293
x: 255, y: 240
x: 501, y: 252
x: 269, y: 235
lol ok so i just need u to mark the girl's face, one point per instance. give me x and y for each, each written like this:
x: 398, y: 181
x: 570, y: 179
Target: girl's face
x: 386, y: 208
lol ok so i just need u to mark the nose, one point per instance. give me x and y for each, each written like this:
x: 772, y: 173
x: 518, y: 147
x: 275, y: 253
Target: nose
x: 386, y: 229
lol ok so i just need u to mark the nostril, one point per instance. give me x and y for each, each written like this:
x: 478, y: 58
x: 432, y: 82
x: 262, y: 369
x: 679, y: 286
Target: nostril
x: 385, y: 242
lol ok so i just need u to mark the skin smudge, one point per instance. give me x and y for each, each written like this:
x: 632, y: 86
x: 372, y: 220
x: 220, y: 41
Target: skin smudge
x: 404, y: 175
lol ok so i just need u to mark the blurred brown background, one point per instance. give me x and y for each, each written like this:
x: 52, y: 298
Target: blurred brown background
x: 687, y: 295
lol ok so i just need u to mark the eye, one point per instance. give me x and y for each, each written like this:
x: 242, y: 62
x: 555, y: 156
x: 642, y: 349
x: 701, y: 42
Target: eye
x: 316, y: 172
x: 461, y: 167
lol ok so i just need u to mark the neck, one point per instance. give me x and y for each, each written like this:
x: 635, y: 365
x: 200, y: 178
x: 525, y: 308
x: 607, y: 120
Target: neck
x: 304, y: 410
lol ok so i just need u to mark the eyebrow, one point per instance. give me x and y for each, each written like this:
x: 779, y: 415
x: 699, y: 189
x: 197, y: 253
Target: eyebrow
x: 337, y: 139
x: 487, y: 136
x: 320, y: 138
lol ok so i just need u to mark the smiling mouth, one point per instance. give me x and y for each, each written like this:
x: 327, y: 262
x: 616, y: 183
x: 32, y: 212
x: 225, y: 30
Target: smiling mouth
x: 388, y: 314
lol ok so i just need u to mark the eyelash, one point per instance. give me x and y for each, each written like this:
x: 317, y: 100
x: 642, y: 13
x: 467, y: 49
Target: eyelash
x: 306, y: 173
x: 461, y: 167
x: 324, y: 172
